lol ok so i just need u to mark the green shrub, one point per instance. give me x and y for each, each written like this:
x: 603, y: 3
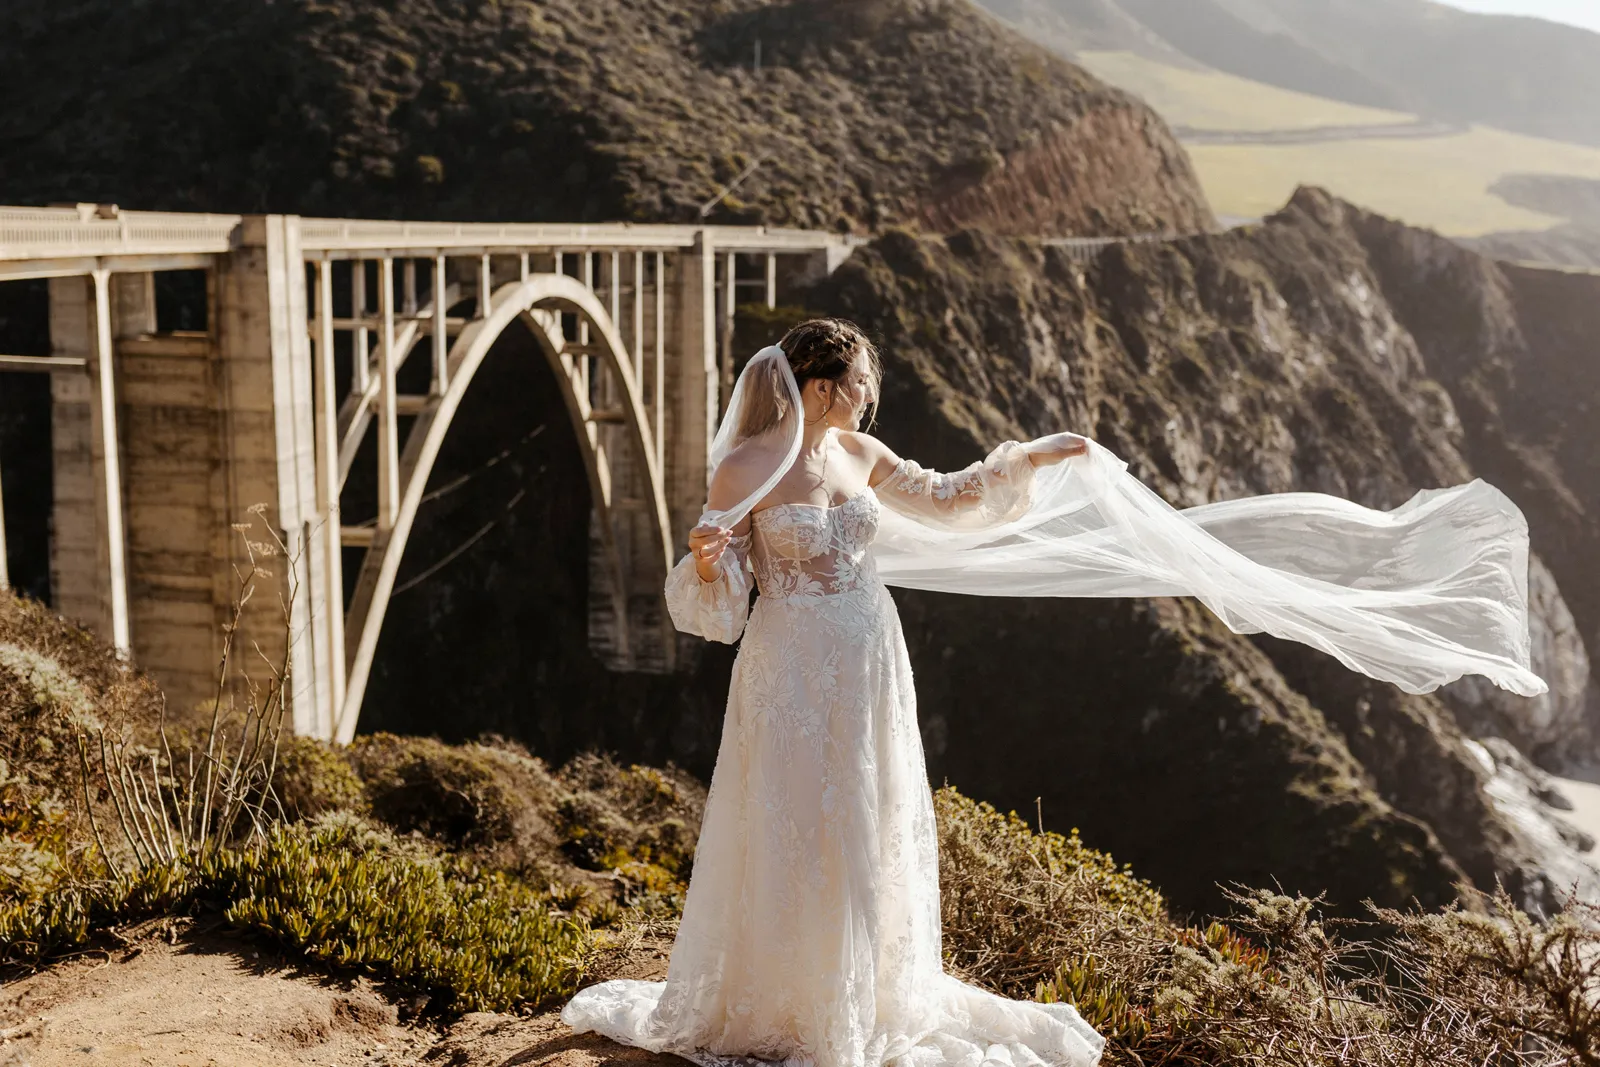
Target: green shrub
x: 1016, y: 904
x: 639, y: 823
x: 34, y: 928
x: 458, y: 795
x: 339, y: 892
x: 312, y: 777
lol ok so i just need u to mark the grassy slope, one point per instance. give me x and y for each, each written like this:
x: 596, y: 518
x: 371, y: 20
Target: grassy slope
x: 1528, y: 75
x: 1441, y: 183
x: 1212, y: 99
x: 413, y: 884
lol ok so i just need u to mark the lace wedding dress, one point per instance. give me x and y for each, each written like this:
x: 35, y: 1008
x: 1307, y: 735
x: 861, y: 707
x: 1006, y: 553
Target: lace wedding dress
x: 810, y: 935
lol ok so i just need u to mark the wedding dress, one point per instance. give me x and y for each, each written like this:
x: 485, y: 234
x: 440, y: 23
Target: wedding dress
x: 810, y: 934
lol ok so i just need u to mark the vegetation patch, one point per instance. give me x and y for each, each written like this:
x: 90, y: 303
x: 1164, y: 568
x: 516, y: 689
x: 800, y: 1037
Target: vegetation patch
x: 1276, y: 983
x: 313, y: 778
x: 340, y: 892
x: 398, y: 858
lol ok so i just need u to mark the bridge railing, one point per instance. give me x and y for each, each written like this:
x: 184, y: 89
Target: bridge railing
x: 102, y: 230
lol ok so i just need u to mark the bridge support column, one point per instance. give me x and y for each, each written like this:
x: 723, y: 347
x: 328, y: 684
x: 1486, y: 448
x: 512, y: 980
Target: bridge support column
x: 265, y: 376
x: 691, y: 386
x: 88, y: 561
x: 167, y: 415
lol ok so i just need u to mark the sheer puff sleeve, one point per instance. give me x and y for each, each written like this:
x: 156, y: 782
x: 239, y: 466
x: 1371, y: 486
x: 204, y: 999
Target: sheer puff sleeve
x: 713, y: 610
x: 996, y: 490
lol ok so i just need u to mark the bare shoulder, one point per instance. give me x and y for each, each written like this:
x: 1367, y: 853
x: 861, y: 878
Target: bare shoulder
x: 737, y: 476
x: 865, y: 446
x: 878, y: 458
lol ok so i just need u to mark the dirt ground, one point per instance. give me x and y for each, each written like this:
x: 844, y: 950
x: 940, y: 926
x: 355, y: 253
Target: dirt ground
x: 179, y: 997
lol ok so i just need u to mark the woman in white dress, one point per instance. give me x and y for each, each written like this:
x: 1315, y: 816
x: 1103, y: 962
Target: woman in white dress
x: 811, y: 929
x: 810, y: 934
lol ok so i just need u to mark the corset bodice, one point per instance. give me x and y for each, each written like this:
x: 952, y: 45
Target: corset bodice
x: 814, y: 550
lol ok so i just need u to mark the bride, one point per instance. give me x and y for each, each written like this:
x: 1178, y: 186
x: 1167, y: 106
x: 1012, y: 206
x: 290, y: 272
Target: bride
x: 811, y: 932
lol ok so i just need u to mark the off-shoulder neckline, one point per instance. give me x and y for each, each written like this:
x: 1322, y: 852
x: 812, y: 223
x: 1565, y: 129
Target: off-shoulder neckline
x: 820, y: 507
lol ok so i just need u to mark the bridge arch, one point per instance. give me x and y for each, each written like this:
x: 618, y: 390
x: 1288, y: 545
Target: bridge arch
x: 540, y: 302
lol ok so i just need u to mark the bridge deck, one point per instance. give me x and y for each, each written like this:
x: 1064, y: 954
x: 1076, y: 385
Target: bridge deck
x: 52, y: 242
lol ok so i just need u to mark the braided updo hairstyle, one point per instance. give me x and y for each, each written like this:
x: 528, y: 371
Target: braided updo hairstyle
x: 826, y: 349
x: 818, y: 349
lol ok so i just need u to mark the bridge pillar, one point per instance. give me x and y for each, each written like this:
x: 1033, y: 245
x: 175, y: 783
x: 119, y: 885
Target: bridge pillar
x: 692, y: 387
x: 88, y: 547
x: 269, y: 461
x: 156, y: 462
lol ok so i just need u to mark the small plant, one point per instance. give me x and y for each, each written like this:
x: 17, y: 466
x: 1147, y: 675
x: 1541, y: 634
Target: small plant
x: 174, y: 812
x: 1099, y: 998
x: 337, y: 891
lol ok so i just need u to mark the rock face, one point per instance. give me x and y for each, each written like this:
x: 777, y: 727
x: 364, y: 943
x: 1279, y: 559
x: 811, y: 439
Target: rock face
x: 862, y: 113
x: 1324, y: 350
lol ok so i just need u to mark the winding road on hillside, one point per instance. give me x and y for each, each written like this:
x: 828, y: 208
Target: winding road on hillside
x: 1412, y: 131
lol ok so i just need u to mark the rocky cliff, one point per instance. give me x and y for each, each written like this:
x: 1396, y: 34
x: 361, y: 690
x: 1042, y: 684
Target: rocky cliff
x: 1325, y: 350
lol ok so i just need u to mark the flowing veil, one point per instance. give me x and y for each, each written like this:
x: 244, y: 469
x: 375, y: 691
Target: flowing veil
x: 1419, y: 596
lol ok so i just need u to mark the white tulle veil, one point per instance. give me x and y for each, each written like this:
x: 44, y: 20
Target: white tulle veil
x: 1419, y: 596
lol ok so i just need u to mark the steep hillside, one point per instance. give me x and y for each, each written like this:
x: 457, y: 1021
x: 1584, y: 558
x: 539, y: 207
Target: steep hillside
x: 863, y: 113
x: 1073, y: 26
x: 1520, y: 74
x: 1481, y: 127
x: 1326, y: 350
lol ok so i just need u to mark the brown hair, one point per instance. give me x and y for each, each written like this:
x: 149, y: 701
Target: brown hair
x: 818, y: 349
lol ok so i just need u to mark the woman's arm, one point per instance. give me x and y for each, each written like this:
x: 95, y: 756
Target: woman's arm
x: 733, y: 481
x: 708, y: 592
x: 987, y: 493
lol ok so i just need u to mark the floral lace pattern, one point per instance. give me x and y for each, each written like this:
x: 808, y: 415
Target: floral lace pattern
x: 811, y: 550
x: 985, y: 494
x: 810, y: 936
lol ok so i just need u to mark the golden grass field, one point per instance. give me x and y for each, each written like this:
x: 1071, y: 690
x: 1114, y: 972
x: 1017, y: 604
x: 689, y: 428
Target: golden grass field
x: 1212, y: 100
x: 1438, y: 182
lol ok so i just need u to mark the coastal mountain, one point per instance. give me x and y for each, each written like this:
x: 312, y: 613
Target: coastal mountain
x: 1526, y: 75
x: 1325, y: 349
x: 853, y: 114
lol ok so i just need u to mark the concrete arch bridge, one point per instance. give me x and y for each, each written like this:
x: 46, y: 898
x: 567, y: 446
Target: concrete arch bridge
x: 163, y: 441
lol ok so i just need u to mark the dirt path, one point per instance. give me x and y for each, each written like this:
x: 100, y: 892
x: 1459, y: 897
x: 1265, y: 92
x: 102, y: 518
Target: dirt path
x: 172, y: 999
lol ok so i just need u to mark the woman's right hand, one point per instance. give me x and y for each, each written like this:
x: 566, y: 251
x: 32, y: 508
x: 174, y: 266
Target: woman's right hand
x: 707, y: 544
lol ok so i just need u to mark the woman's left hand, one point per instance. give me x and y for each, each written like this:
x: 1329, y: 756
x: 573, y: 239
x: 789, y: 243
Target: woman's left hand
x: 1047, y: 451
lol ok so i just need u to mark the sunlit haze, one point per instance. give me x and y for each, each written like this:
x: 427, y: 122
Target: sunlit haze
x: 1585, y: 13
